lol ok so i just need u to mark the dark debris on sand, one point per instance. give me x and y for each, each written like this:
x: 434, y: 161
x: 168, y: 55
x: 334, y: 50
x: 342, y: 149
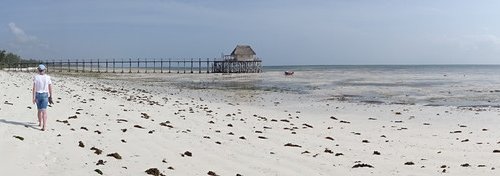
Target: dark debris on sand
x: 465, y: 165
x: 307, y: 125
x: 166, y: 124
x: 262, y: 137
x: 212, y: 173
x: 98, y: 171
x: 409, y: 163
x: 292, y: 145
x: 187, y: 153
x: 19, y: 137
x: 96, y: 150
x: 121, y: 120
x: 115, y: 155
x: 100, y: 162
x: 80, y: 144
x: 362, y: 165
x: 138, y: 126
x: 144, y: 115
x: 63, y: 121
x: 154, y: 171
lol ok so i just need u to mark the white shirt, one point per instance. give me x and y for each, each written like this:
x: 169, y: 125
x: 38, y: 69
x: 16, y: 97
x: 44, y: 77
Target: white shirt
x: 42, y: 83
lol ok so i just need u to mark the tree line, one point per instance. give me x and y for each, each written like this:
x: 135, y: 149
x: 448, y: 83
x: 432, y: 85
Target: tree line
x: 7, y: 58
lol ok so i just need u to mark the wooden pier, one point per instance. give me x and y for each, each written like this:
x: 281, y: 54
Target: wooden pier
x: 237, y: 66
x: 190, y: 66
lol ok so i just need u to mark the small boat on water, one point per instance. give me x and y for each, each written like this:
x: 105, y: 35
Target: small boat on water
x: 289, y: 72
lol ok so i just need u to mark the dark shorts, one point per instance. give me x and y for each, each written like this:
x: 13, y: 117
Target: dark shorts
x: 42, y: 100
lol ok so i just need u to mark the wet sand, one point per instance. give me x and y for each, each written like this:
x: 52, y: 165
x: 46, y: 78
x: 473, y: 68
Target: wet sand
x: 103, y: 125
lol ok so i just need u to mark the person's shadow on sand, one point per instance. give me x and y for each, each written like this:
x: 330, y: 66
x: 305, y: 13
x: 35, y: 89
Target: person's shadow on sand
x: 25, y: 124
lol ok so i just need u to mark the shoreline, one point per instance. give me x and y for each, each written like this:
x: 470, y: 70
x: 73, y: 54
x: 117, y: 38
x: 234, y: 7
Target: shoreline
x: 194, y: 132
x: 255, y: 83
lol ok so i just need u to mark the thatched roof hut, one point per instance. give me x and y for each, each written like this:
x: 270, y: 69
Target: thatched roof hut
x: 243, y: 53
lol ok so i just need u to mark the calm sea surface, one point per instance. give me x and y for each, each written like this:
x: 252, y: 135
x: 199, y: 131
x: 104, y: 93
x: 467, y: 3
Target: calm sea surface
x: 432, y: 85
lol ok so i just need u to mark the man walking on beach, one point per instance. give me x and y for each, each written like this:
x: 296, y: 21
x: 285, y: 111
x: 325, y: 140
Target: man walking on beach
x: 42, y: 94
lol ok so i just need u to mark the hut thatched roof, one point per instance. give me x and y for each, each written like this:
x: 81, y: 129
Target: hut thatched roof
x: 242, y: 50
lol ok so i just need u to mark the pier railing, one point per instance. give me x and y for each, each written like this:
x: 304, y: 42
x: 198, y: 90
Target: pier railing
x: 140, y: 66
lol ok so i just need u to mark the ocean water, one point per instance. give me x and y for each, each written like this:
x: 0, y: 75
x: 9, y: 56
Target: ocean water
x: 430, y: 85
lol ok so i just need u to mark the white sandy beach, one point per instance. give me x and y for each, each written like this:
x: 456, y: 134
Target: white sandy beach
x: 212, y: 132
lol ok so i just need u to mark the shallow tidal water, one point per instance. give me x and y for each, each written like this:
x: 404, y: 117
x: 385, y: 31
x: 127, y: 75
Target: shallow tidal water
x: 431, y: 85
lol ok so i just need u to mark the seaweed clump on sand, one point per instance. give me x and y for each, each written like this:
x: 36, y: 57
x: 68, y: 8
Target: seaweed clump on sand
x: 154, y: 171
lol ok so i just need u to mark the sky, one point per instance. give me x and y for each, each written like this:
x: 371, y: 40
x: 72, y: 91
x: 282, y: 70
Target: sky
x: 281, y: 32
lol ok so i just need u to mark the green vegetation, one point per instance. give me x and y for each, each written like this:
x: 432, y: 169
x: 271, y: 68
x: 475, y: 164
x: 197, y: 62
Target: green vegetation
x: 7, y: 57
x: 11, y: 58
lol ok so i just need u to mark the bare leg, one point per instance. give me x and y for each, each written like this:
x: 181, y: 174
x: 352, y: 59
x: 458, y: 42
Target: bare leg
x: 44, y: 118
x: 40, y: 118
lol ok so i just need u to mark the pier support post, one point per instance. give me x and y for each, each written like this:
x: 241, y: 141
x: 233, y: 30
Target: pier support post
x: 191, y: 65
x: 137, y: 65
x: 208, y: 65
x: 145, y: 65
x: 129, y: 65
x: 161, y: 65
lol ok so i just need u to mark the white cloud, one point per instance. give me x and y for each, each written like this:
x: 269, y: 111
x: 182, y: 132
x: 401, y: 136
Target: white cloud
x: 20, y: 35
x: 25, y: 44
